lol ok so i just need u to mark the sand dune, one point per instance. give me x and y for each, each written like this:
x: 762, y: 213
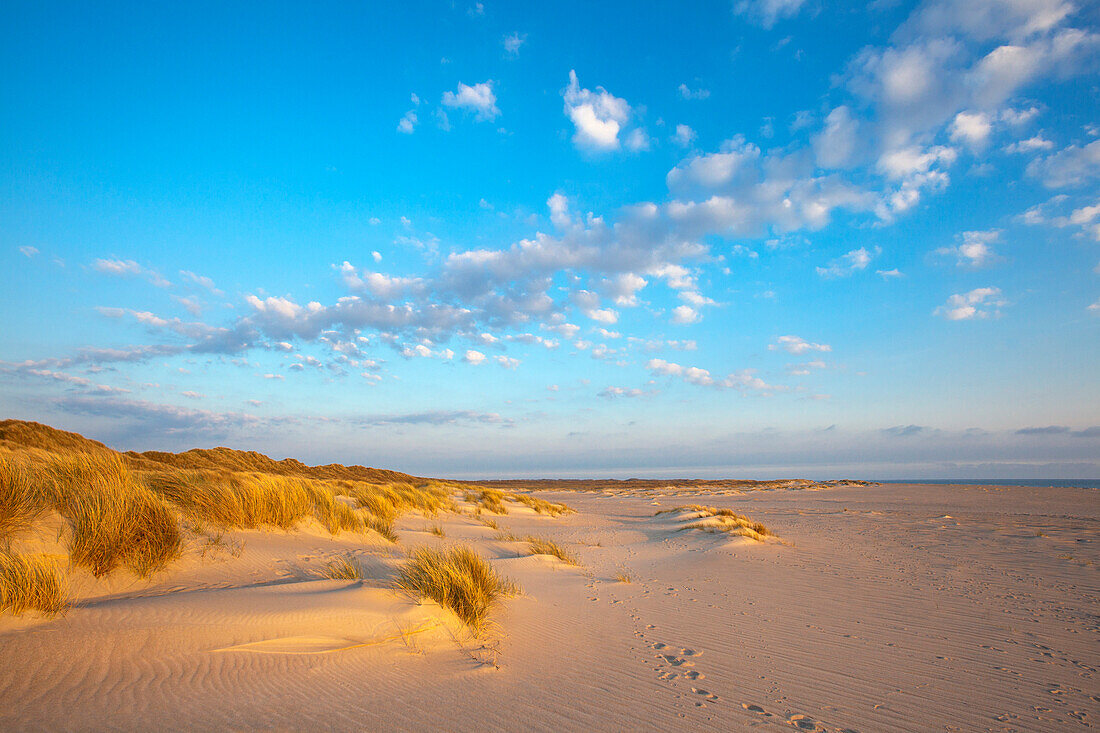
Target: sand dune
x: 883, y: 608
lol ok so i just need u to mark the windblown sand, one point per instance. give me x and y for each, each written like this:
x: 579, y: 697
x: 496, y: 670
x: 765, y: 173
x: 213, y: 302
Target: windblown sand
x: 883, y: 608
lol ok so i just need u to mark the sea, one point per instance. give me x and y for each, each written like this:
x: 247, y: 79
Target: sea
x: 1086, y: 483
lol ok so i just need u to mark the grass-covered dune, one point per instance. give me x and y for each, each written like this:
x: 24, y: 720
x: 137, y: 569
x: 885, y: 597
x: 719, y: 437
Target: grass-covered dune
x: 138, y: 512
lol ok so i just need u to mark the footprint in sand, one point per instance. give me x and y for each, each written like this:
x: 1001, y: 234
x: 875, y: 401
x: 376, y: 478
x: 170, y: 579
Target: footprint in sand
x: 804, y: 722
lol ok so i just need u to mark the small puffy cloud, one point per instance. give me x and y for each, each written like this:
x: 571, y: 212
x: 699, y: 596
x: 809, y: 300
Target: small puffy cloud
x: 473, y: 357
x: 117, y: 267
x: 889, y: 274
x: 683, y: 136
x: 612, y: 392
x: 623, y: 288
x: 638, y: 140
x: 974, y: 249
x: 407, y: 123
x: 478, y: 99
x: 849, y: 263
x: 767, y: 13
x: 1095, y: 307
x: 978, y: 303
x: 687, y: 92
x: 797, y: 345
x: 1072, y: 166
x: 1030, y: 145
x: 598, y: 116
x: 506, y: 361
x: 513, y: 43
x: 201, y: 280
x: 741, y: 381
x: 28, y: 250
x: 129, y: 268
x: 801, y: 370
x: 972, y: 129
x: 684, y: 314
x: 836, y: 145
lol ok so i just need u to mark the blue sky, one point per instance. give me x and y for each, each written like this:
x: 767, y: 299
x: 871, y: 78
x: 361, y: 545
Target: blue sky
x: 759, y: 238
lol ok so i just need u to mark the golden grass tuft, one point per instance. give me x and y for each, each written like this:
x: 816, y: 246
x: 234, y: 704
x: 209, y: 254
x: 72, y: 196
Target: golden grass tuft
x: 344, y: 568
x: 457, y: 579
x: 31, y: 583
x: 23, y: 500
x: 624, y: 576
x: 541, y: 506
x: 113, y: 519
x: 490, y: 500
x: 542, y: 546
x: 712, y: 519
x: 437, y: 530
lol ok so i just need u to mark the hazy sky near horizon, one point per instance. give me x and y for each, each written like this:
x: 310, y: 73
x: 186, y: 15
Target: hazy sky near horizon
x: 758, y: 238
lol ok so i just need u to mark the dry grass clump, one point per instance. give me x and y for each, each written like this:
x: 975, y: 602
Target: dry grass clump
x: 23, y: 501
x: 712, y: 519
x: 492, y: 500
x: 624, y: 576
x: 437, y: 530
x: 541, y: 506
x: 113, y: 519
x: 490, y: 523
x: 254, y: 500
x: 344, y: 568
x: 541, y: 546
x: 31, y: 583
x: 457, y: 579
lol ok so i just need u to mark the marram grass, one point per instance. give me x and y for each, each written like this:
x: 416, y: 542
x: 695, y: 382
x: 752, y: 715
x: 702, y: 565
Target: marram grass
x: 458, y: 579
x: 31, y: 583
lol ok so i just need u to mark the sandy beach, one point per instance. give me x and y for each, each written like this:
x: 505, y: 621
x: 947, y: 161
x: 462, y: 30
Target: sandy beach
x: 879, y: 608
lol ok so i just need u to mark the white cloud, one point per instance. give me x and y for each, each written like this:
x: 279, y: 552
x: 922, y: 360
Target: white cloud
x: 978, y: 303
x: 972, y: 129
x: 688, y: 93
x: 127, y: 268
x: 743, y: 381
x: 683, y: 136
x: 201, y: 281
x: 638, y: 140
x: 513, y: 43
x: 28, y: 250
x: 849, y: 263
x: 974, y: 249
x: 1030, y: 145
x: 473, y: 357
x: 767, y: 12
x: 612, y: 392
x: 1095, y: 307
x: 801, y: 370
x: 684, y: 314
x: 889, y: 274
x: 1072, y: 166
x: 598, y: 116
x: 797, y: 345
x: 836, y: 145
x: 407, y: 123
x: 507, y: 362
x: 478, y: 99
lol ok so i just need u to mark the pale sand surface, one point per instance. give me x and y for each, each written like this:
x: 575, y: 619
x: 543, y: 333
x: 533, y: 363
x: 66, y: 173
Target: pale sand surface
x: 888, y: 607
